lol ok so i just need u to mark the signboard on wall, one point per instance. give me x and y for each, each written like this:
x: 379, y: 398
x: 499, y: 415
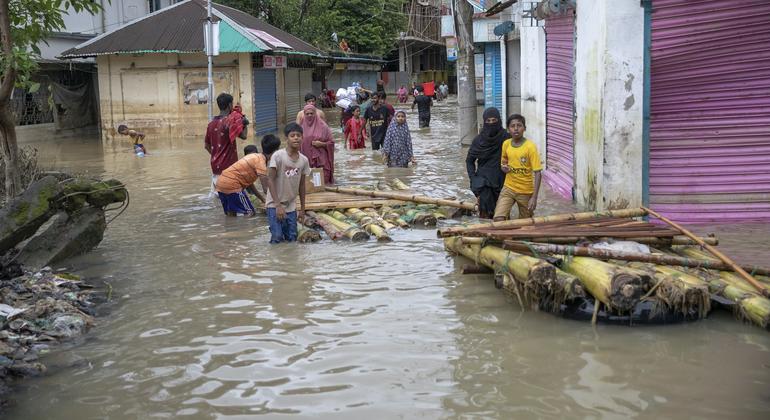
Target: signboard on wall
x: 273, y: 62
x: 451, y: 48
x: 479, y: 66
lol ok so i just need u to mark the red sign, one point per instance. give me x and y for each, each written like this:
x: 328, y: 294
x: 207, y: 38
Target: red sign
x: 273, y: 62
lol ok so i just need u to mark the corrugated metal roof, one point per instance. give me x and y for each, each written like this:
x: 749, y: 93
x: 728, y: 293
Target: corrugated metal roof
x: 179, y: 29
x: 250, y: 22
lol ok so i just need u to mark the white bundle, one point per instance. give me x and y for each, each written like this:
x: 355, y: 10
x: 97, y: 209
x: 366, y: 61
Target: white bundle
x: 343, y: 103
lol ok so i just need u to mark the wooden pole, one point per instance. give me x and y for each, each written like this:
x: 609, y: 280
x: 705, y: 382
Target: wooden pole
x: 605, y: 254
x: 467, y: 205
x: 542, y: 219
x: 725, y: 259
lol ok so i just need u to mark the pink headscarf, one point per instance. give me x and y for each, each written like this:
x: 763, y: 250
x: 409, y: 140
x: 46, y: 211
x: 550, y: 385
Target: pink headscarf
x: 315, y: 129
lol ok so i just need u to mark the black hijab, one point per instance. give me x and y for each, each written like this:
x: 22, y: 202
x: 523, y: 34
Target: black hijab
x: 490, y: 139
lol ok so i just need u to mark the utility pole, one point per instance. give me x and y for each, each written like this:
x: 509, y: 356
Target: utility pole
x: 210, y: 54
x: 466, y: 72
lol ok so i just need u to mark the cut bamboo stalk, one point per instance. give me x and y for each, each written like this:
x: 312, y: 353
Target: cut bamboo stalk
x: 420, y: 217
x: 329, y: 228
x: 564, y: 288
x: 451, y: 231
x: 616, y: 287
x: 694, y: 261
x: 394, y: 217
x: 307, y: 235
x: 439, y: 216
x: 378, y: 232
x: 724, y: 258
x: 359, y: 216
x: 405, y: 197
x: 678, y: 290
x: 337, y: 215
x: 749, y: 305
x: 528, y: 274
x: 352, y: 232
x: 378, y: 219
x: 399, y: 185
x: 383, y: 186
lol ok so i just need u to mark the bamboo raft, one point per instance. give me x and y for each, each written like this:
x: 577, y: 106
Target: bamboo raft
x: 611, y: 267
x: 363, y: 213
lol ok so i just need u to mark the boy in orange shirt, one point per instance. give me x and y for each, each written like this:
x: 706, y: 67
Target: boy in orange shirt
x: 240, y: 177
x: 521, y: 164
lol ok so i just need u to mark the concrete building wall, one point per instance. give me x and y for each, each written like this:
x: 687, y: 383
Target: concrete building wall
x: 608, y: 104
x: 149, y: 92
x: 532, y: 44
x: 513, y: 76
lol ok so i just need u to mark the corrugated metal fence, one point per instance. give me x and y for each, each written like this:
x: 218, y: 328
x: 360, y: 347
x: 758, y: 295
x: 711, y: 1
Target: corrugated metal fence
x: 559, y: 103
x: 710, y: 110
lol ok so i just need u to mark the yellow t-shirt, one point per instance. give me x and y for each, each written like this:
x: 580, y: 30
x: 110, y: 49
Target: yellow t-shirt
x: 523, y: 161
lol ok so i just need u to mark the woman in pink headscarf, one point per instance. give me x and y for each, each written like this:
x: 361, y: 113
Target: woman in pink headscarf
x: 317, y: 143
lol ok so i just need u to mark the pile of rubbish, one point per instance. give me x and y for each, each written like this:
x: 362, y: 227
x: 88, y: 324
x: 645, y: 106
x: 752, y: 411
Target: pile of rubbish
x: 55, y: 218
x: 38, y: 310
x: 613, y: 268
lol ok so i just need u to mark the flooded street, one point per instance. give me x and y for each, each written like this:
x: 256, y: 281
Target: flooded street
x: 210, y: 321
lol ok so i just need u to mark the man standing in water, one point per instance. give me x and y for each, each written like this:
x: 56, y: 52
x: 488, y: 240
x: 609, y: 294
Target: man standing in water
x: 423, y: 104
x: 218, y: 143
x: 376, y: 116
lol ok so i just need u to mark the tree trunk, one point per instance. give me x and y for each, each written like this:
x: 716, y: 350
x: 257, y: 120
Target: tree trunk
x: 10, y: 152
x: 8, y: 145
x: 466, y: 72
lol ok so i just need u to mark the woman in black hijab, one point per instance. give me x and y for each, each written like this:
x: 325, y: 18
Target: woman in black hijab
x: 483, y: 163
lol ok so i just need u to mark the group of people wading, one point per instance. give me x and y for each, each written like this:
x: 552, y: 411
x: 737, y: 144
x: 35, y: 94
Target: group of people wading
x: 282, y: 173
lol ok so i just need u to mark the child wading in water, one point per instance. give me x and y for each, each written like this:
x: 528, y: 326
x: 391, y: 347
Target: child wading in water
x: 355, y: 130
x: 240, y: 177
x: 521, y: 164
x: 397, y: 148
x: 136, y: 136
x: 286, y: 180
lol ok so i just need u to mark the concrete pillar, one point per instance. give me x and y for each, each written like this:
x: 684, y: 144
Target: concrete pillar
x: 246, y: 85
x: 513, y: 73
x: 533, y: 84
x: 608, y: 104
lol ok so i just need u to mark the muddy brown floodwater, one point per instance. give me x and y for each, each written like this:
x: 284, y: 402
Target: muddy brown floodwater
x: 209, y: 321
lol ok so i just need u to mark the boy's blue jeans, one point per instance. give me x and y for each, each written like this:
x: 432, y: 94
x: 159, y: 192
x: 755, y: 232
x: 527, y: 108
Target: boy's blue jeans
x: 282, y: 230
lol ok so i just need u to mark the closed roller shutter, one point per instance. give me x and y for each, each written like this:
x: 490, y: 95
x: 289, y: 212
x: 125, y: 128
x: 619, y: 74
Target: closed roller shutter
x: 265, y: 111
x: 559, y: 100
x: 710, y: 110
x: 493, y: 77
x: 292, y: 90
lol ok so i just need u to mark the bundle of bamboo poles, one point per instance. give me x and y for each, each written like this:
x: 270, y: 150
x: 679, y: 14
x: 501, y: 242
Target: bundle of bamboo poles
x: 678, y: 279
x: 360, y: 224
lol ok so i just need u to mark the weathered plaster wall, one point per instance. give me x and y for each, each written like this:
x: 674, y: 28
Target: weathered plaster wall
x: 608, y: 104
x: 533, y: 84
x: 147, y: 92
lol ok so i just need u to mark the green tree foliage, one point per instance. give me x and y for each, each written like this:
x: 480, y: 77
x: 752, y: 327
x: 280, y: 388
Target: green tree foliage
x: 24, y: 24
x: 368, y: 26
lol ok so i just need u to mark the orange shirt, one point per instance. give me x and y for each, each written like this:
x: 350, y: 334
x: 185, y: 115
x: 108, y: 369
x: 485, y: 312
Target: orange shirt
x: 242, y: 173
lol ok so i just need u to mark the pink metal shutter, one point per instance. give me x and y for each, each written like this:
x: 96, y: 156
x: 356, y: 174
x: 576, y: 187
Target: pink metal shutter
x: 559, y: 122
x: 710, y: 110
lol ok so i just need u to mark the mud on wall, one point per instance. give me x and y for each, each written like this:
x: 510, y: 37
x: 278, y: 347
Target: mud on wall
x: 166, y: 94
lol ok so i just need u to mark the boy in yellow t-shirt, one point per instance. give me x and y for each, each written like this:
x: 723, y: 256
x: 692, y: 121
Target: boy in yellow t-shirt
x: 521, y: 164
